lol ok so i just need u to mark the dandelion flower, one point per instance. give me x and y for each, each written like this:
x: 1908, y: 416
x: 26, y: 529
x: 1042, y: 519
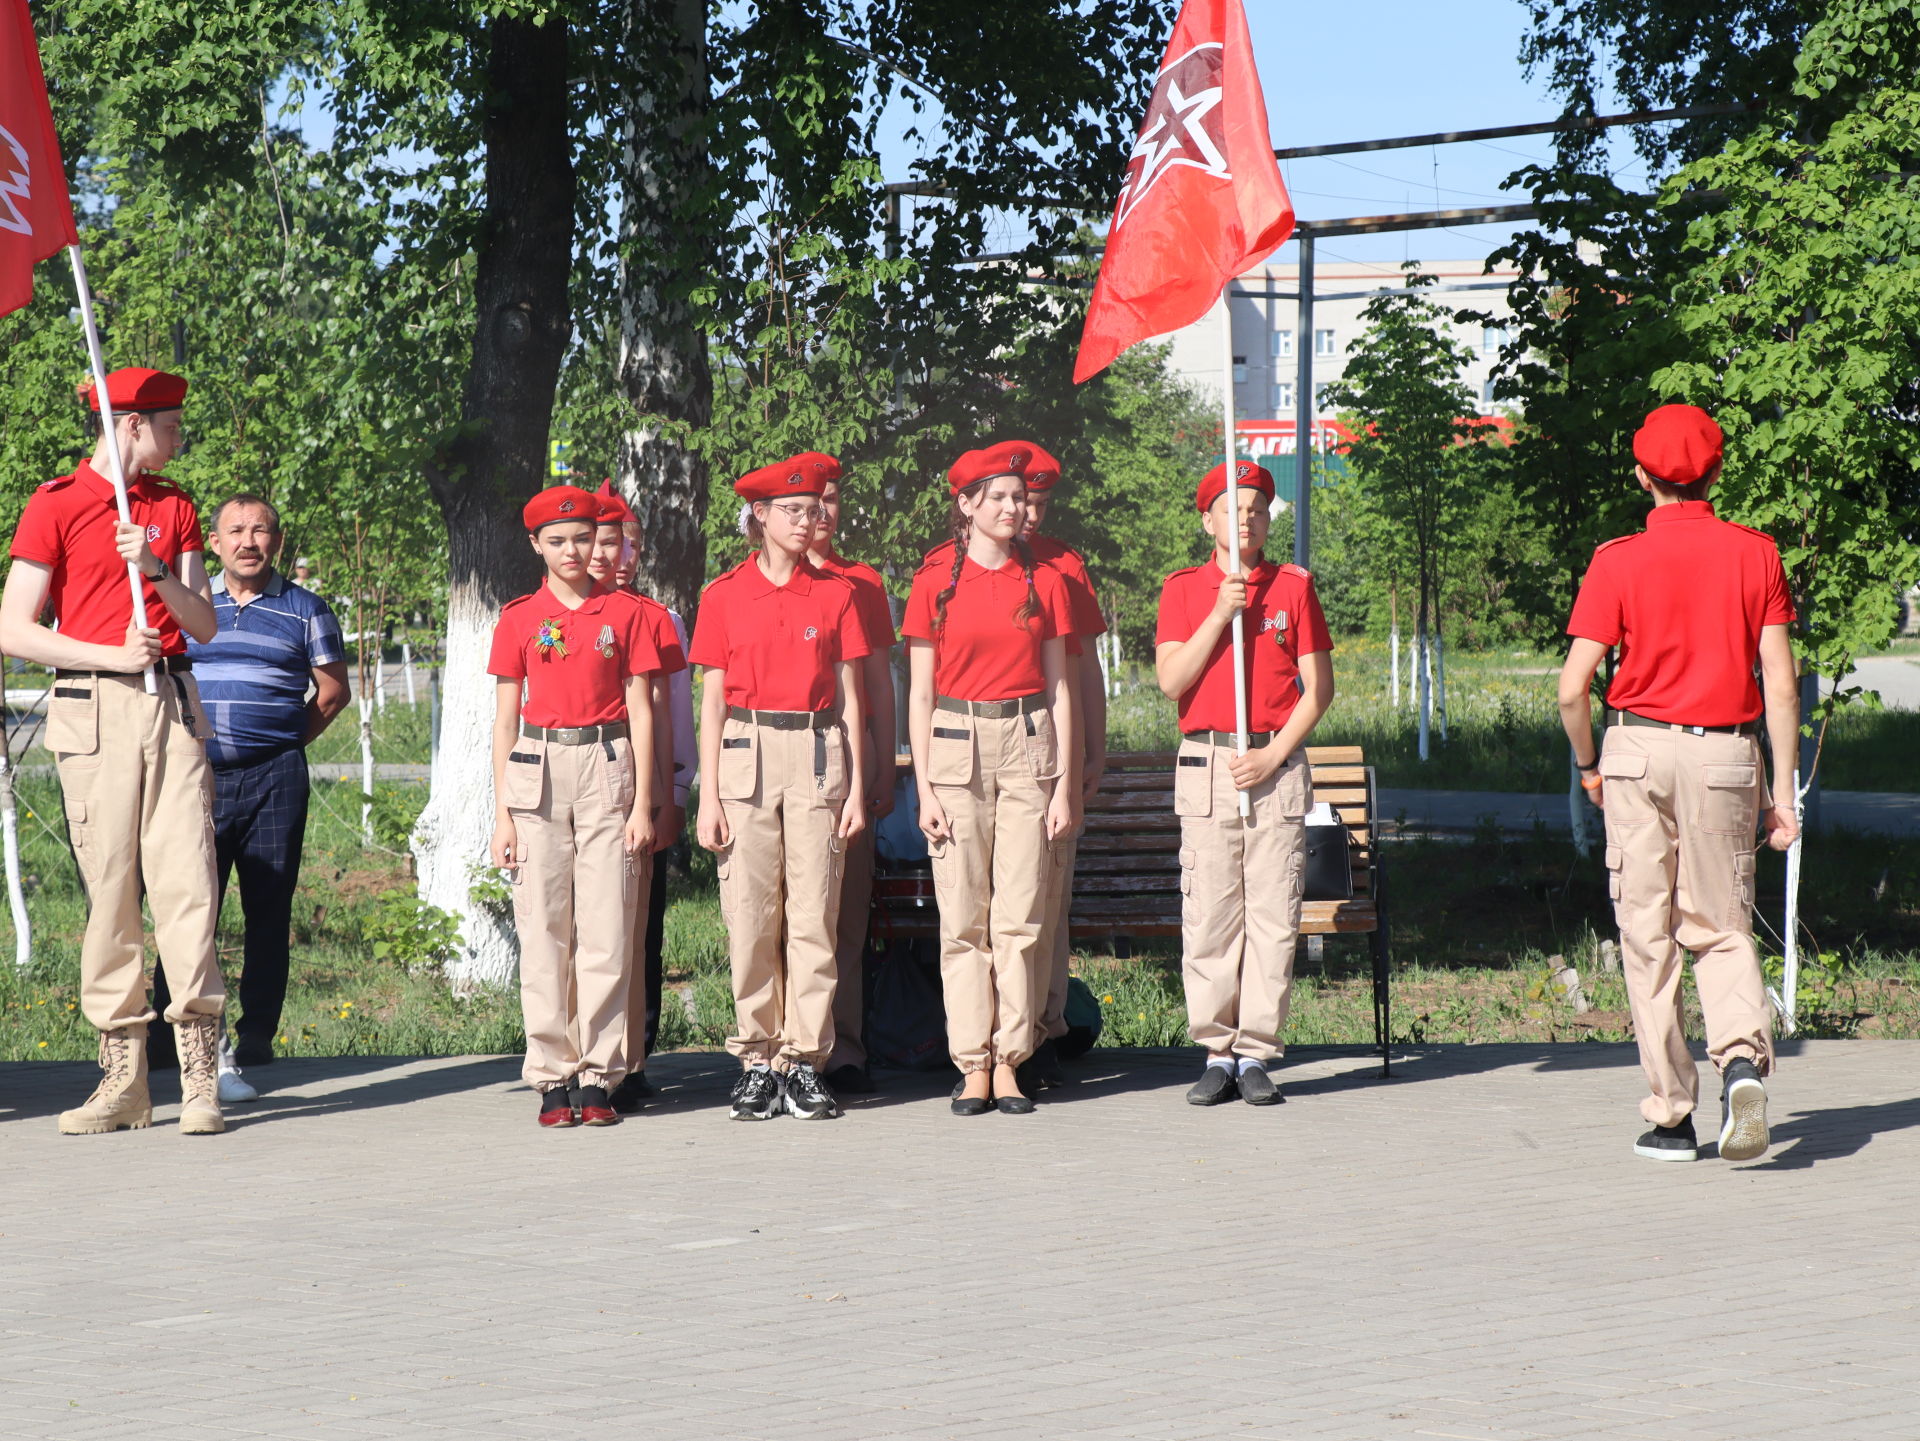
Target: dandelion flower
x: 43, y: 1045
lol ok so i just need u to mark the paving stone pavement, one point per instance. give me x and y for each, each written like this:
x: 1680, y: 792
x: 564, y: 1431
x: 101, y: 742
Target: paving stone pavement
x: 392, y: 1249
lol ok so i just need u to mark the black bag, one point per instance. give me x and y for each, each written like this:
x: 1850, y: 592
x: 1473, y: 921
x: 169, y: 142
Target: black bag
x: 906, y: 1010
x: 1329, y: 872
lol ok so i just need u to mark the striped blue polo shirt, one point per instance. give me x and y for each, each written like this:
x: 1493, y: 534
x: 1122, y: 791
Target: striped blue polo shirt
x: 254, y: 673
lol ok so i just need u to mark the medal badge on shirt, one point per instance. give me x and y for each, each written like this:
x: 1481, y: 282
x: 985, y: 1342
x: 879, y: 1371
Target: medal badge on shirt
x: 604, y: 642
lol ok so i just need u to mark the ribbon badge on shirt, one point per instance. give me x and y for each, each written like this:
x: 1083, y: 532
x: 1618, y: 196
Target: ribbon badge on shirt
x: 551, y: 640
x: 1277, y: 623
x: 604, y: 642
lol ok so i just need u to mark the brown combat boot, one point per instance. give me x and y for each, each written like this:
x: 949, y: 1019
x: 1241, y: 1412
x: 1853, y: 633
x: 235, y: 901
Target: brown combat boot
x: 198, y: 1038
x: 121, y: 1099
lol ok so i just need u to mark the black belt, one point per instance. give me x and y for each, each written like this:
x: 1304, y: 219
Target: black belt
x: 785, y: 720
x: 171, y: 664
x: 1255, y: 739
x: 995, y: 709
x: 1745, y: 728
x: 576, y: 735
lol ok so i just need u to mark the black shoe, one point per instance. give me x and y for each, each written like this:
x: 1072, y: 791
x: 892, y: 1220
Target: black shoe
x: 756, y: 1095
x: 1257, y: 1087
x: 1214, y: 1086
x: 1013, y: 1105
x: 808, y: 1098
x: 854, y: 1080
x: 1045, y: 1065
x: 631, y: 1094
x: 557, y: 1108
x: 968, y: 1105
x: 596, y: 1107
x: 1669, y: 1143
x: 1743, y: 1109
x: 249, y: 1051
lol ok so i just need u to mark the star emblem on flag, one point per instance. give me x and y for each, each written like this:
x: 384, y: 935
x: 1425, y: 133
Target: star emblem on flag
x: 1182, y: 126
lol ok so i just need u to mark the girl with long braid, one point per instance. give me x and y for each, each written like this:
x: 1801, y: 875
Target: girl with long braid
x: 988, y: 704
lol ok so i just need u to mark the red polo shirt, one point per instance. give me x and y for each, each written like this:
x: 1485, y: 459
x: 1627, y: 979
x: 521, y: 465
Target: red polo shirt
x: 68, y: 527
x: 575, y: 663
x: 660, y: 631
x: 1685, y: 601
x: 982, y: 653
x: 778, y: 644
x: 1283, y: 622
x: 1083, y: 607
x: 869, y: 599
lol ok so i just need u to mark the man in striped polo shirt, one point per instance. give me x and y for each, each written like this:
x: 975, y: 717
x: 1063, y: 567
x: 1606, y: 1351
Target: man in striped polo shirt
x: 271, y: 679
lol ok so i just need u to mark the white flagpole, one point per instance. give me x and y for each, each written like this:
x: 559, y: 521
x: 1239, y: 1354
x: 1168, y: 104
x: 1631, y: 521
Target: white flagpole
x: 1233, y: 531
x: 114, y: 461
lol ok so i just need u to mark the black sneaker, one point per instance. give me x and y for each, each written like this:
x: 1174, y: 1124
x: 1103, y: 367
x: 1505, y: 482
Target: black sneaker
x: 854, y: 1080
x: 1257, y: 1087
x: 1743, y: 1107
x: 1214, y: 1086
x: 250, y: 1051
x: 1669, y: 1143
x: 631, y: 1094
x: 807, y: 1095
x: 756, y: 1095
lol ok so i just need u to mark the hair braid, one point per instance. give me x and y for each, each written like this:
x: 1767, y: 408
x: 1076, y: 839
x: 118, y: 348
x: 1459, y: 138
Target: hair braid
x: 1030, y: 607
x: 959, y: 526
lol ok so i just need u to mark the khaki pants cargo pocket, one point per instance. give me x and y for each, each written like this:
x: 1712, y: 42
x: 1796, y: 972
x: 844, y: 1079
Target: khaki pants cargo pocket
x: 73, y: 719
x: 1624, y: 773
x: 830, y: 768
x: 950, y: 752
x: 1188, y: 857
x: 739, y: 761
x: 1740, y: 898
x: 1043, y: 746
x: 196, y: 726
x: 1615, y: 858
x: 1193, y: 780
x: 616, y: 769
x: 524, y: 785
x: 1293, y: 787
x: 1729, y: 799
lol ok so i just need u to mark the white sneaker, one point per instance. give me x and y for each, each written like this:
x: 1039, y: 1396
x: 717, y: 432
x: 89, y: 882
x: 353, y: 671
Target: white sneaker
x: 233, y: 1085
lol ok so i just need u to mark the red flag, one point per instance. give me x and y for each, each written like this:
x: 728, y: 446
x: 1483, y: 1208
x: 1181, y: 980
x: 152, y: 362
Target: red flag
x: 36, y: 215
x: 1203, y: 198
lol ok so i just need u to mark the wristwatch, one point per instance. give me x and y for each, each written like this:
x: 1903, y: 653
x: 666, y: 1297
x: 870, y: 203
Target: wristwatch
x: 162, y: 573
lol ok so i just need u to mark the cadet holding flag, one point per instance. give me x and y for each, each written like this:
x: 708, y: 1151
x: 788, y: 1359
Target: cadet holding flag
x: 1695, y: 606
x: 1242, y: 871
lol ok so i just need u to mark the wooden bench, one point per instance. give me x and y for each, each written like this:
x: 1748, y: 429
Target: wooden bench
x: 1127, y: 884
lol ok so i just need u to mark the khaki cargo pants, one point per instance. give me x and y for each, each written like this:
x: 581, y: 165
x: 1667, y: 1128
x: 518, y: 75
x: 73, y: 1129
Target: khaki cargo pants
x: 781, y: 792
x: 994, y: 778
x: 1240, y: 882
x: 573, y: 900
x: 1056, y: 943
x: 1682, y: 812
x: 139, y: 800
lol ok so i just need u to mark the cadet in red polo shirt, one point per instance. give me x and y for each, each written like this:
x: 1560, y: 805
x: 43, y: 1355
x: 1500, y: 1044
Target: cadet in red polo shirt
x: 133, y: 767
x: 573, y: 812
x: 1242, y: 877
x: 781, y: 786
x: 611, y: 566
x: 1692, y: 603
x: 847, y: 1067
x: 989, y: 704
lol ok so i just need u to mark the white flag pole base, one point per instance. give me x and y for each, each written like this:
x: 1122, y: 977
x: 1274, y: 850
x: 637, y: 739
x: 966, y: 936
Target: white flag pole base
x: 115, y: 463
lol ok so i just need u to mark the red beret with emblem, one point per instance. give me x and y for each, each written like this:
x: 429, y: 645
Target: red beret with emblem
x: 1043, y: 471
x: 1247, y: 476
x: 1009, y: 457
x: 613, y: 509
x: 135, y: 388
x: 1678, y: 444
x: 789, y: 477
x: 560, y: 502
x: 823, y: 466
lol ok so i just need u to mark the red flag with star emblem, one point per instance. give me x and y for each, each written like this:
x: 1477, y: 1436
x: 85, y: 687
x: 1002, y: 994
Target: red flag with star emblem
x: 1203, y: 198
x: 36, y: 216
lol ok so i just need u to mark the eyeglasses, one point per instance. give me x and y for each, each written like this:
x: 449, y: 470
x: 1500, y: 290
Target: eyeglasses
x: 799, y: 514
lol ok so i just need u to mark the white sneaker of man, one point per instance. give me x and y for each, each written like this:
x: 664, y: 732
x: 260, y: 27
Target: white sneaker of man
x: 233, y: 1085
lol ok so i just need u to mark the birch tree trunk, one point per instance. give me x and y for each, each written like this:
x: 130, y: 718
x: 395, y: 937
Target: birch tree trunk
x: 486, y: 473
x: 1440, y: 674
x: 1423, y: 678
x: 1393, y: 639
x: 663, y: 352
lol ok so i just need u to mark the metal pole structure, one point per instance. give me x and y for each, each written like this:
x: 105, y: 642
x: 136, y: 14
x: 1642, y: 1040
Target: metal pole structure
x: 115, y: 464
x: 1233, y: 531
x: 1303, y: 412
x: 10, y: 836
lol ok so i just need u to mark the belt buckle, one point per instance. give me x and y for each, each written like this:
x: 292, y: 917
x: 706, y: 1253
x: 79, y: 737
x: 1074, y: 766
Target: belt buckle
x: 1694, y: 730
x: 565, y: 735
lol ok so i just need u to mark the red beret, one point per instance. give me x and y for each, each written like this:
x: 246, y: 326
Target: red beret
x: 1247, y: 476
x: 822, y: 466
x: 789, y: 477
x: 1043, y: 471
x: 1009, y: 457
x: 560, y: 502
x: 136, y: 389
x: 1678, y: 444
x: 613, y: 509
